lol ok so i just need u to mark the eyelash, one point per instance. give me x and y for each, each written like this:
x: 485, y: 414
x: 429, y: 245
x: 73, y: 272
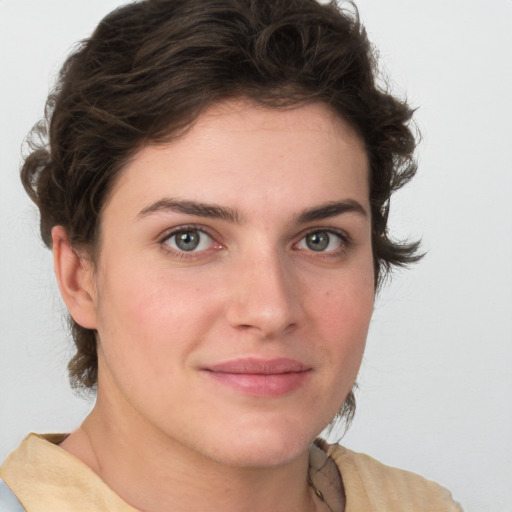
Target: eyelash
x: 345, y: 241
x: 184, y: 229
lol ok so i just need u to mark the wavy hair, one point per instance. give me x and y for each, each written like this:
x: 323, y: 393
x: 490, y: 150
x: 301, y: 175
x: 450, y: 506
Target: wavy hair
x: 152, y: 66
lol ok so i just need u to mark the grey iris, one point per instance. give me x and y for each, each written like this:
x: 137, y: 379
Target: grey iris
x: 188, y: 240
x: 318, y: 241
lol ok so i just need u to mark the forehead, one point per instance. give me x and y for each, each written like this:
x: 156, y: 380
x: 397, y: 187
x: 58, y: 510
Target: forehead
x: 245, y: 114
x: 239, y: 147
x: 245, y: 120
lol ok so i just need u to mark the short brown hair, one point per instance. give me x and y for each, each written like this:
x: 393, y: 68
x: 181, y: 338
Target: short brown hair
x: 152, y: 66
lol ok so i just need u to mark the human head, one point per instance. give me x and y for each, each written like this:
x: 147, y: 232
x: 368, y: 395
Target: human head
x: 151, y: 67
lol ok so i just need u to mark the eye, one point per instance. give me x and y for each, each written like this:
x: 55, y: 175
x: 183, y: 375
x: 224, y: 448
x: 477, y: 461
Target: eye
x: 189, y: 240
x: 321, y: 241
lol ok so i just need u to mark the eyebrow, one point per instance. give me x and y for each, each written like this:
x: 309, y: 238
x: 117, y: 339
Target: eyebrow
x: 331, y: 209
x: 324, y: 211
x: 193, y: 208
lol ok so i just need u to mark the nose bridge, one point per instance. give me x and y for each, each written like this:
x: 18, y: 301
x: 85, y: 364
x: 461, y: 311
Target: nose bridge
x: 264, y: 293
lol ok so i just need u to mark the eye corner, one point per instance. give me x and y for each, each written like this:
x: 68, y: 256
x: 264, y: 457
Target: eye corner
x: 188, y: 241
x: 324, y: 241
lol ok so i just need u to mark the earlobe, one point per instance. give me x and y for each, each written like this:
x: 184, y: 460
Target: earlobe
x: 75, y: 277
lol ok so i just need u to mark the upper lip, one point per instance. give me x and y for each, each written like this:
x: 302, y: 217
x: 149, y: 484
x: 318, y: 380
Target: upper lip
x: 256, y: 366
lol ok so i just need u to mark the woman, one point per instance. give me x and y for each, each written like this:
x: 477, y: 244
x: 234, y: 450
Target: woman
x: 215, y: 191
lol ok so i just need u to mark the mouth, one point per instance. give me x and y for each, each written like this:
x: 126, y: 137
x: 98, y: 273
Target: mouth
x: 261, y: 377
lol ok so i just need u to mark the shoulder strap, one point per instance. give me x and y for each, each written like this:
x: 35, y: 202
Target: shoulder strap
x: 8, y: 501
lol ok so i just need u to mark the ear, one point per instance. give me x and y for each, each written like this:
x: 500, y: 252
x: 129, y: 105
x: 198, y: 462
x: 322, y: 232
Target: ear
x: 75, y: 277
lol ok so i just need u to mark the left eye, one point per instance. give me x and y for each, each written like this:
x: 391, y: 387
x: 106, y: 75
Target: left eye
x: 321, y: 241
x: 189, y: 240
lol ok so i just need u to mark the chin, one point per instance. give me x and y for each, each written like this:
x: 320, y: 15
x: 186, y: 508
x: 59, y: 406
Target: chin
x: 262, y: 446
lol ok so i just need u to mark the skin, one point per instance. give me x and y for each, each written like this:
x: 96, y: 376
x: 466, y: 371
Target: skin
x: 253, y: 288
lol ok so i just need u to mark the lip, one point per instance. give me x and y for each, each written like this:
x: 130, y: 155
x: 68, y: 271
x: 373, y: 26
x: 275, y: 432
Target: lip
x: 261, y: 377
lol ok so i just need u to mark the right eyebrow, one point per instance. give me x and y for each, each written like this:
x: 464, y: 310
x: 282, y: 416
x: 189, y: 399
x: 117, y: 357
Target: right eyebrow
x: 192, y: 208
x: 332, y: 209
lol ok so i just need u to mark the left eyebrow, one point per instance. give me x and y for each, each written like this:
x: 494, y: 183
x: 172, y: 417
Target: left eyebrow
x: 192, y: 208
x: 331, y: 209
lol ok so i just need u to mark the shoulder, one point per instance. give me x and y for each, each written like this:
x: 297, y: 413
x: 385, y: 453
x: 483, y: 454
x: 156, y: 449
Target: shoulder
x: 373, y: 486
x: 42, y: 476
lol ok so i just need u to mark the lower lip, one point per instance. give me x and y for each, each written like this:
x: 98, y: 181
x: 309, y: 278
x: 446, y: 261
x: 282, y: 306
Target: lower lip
x: 262, y: 385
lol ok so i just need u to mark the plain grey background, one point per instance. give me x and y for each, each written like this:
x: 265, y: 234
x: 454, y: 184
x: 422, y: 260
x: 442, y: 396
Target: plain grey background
x: 435, y: 385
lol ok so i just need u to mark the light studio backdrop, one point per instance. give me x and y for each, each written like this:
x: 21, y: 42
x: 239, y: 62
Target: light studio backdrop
x: 435, y: 387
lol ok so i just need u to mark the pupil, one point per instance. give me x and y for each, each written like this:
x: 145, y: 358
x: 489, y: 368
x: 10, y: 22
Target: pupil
x: 317, y: 241
x: 187, y: 241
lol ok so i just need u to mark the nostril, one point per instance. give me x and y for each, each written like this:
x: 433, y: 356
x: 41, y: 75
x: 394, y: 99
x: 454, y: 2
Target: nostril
x: 263, y: 298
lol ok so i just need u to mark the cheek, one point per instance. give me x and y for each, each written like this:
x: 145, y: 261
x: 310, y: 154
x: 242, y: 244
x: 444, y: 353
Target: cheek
x: 346, y: 299
x: 343, y: 313
x: 150, y: 326
x: 152, y: 314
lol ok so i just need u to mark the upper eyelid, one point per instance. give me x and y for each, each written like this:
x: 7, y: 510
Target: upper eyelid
x: 343, y: 234
x: 215, y: 236
x: 186, y: 255
x: 164, y: 235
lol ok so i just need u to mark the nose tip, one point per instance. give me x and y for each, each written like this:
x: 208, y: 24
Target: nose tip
x: 264, y: 298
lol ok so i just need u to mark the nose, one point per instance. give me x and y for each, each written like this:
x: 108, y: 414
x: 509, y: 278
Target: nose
x: 264, y: 296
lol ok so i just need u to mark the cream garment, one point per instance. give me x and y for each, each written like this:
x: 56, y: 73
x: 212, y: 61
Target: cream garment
x: 46, y: 478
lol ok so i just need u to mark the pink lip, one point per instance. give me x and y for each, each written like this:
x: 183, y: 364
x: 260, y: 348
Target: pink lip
x: 261, y: 377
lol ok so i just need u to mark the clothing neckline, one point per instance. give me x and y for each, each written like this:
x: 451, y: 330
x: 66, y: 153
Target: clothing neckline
x: 39, y: 462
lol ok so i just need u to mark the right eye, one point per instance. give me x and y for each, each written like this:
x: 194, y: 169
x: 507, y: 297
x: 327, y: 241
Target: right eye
x: 323, y: 241
x: 189, y: 240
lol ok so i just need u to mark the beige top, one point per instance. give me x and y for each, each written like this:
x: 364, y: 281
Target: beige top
x: 45, y: 477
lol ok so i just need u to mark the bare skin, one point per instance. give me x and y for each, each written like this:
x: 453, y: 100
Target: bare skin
x: 241, y: 249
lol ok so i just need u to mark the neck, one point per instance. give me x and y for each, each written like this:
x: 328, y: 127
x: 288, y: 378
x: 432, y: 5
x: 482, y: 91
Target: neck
x: 154, y: 473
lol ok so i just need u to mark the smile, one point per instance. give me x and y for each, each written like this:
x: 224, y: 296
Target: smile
x: 257, y: 377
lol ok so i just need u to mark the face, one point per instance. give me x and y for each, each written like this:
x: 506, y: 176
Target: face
x: 234, y: 283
